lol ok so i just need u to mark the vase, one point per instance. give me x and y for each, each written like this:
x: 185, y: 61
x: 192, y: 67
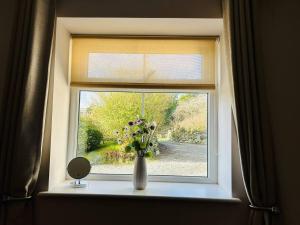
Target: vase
x: 140, y: 176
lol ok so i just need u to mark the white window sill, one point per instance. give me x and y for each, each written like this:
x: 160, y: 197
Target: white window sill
x: 153, y: 190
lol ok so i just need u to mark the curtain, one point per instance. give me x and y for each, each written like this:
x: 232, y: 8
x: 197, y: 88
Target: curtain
x: 22, y: 117
x: 254, y: 132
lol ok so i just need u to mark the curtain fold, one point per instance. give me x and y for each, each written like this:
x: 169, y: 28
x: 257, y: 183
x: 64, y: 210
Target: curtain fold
x: 254, y: 132
x: 22, y: 119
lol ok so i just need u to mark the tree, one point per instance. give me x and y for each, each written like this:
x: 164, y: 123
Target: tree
x: 191, y: 113
x: 159, y: 107
x: 116, y: 109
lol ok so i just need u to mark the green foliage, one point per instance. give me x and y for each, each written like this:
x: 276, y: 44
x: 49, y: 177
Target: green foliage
x: 190, y: 119
x: 93, y: 140
x: 182, y: 135
x: 110, y: 152
x: 149, y: 155
x: 82, y: 136
x: 186, y: 97
x: 180, y: 117
x: 191, y: 113
x: 159, y: 108
x: 136, y: 145
x: 168, y: 118
x: 117, y: 108
x: 110, y: 145
x: 138, y: 136
x: 118, y: 157
x: 89, y: 137
x: 128, y: 148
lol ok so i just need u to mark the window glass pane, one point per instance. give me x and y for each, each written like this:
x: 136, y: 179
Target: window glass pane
x: 181, y: 131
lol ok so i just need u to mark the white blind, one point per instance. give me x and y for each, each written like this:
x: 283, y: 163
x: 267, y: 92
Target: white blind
x: 155, y: 61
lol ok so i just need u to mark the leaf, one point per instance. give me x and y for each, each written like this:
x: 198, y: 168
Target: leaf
x: 136, y: 145
x: 143, y: 145
x: 128, y: 148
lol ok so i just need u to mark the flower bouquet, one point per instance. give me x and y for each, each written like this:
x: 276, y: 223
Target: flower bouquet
x: 139, y: 136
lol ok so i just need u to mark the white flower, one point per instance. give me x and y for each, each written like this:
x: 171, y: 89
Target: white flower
x: 139, y: 122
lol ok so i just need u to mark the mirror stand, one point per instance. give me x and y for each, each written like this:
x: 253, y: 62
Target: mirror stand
x: 78, y: 183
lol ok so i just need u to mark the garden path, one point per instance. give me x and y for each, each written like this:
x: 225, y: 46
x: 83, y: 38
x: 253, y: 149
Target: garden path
x: 170, y: 151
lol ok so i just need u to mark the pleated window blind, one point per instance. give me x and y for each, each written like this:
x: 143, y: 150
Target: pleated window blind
x: 147, y: 61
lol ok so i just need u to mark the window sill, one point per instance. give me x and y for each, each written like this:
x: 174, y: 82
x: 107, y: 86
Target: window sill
x: 190, y: 191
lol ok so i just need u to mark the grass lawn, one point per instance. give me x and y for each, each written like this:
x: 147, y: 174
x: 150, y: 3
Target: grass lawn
x: 95, y: 156
x: 98, y: 156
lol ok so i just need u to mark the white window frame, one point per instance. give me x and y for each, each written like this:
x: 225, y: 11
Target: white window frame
x: 212, y: 149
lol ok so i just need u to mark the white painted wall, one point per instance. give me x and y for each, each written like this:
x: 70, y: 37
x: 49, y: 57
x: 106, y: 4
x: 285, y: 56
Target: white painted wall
x: 225, y: 100
x: 60, y: 113
x: 144, y: 26
x: 61, y: 98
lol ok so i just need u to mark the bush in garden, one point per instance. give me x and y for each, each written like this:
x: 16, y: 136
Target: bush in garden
x: 190, y: 120
x: 93, y: 139
x: 182, y: 135
x: 191, y: 114
x: 118, y: 157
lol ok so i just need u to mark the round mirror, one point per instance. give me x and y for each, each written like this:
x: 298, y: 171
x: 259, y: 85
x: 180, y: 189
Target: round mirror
x: 79, y: 168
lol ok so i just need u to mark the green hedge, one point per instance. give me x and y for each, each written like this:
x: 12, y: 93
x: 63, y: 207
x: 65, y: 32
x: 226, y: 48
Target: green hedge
x: 93, y: 139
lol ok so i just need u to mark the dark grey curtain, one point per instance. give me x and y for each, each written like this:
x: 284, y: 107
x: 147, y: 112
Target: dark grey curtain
x: 252, y: 118
x: 22, y: 112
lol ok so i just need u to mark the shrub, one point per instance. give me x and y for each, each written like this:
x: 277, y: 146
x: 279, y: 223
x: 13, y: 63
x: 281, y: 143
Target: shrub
x: 182, y: 135
x: 118, y: 157
x: 191, y: 114
x: 93, y: 139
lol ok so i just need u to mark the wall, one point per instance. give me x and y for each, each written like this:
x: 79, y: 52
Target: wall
x: 60, y: 104
x: 277, y: 29
x: 133, y: 211
x: 130, y: 211
x: 88, y: 209
x: 101, y: 210
x: 225, y: 99
x: 138, y: 8
x: 277, y: 26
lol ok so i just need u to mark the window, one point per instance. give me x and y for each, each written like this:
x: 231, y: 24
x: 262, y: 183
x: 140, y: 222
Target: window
x: 168, y: 81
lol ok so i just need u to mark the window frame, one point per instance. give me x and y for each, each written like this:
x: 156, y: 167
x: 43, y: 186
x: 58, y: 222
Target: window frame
x: 212, y: 149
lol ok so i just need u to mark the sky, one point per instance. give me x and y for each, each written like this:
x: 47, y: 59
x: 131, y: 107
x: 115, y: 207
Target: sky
x: 87, y: 98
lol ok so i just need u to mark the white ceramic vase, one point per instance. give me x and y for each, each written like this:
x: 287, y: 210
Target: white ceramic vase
x: 140, y: 177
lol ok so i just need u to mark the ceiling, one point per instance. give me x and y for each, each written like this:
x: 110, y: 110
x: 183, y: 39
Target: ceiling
x: 143, y: 26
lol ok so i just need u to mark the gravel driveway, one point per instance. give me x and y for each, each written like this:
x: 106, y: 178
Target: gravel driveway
x: 174, y: 159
